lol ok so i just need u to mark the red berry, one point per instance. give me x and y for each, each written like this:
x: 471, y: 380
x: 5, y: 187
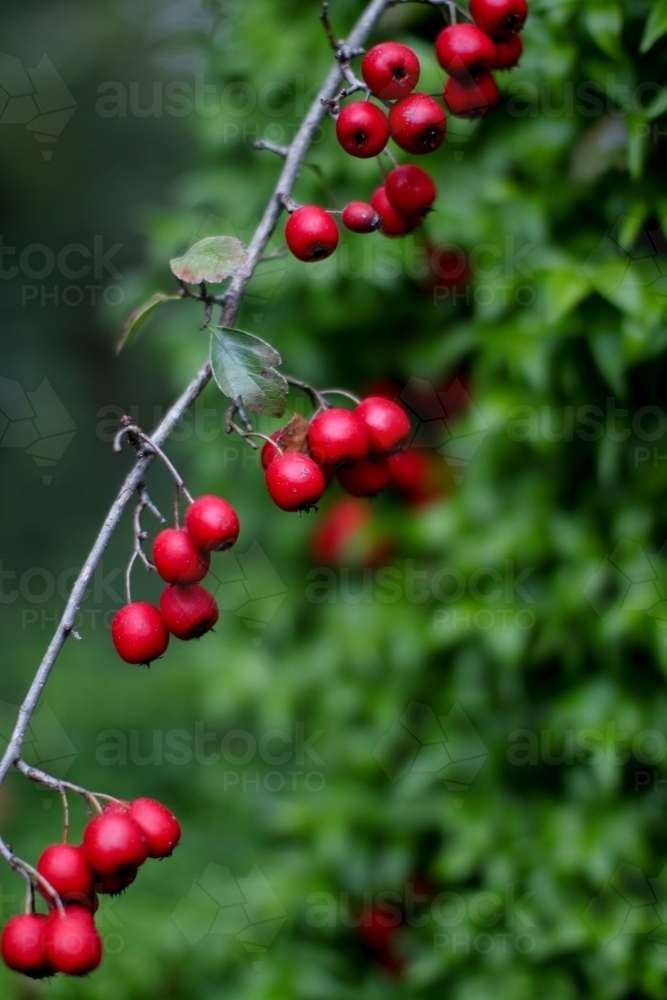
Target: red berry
x: 410, y: 190
x: 212, y: 523
x: 359, y: 217
x: 508, y: 53
x: 188, y: 612
x: 295, y: 481
x: 268, y: 451
x: 311, y: 233
x: 387, y: 424
x: 366, y: 478
x: 177, y: 559
x: 114, y: 844
x: 22, y: 945
x: 362, y: 129
x: 340, y: 533
x: 392, y: 223
x: 472, y: 98
x: 500, y: 18
x: 336, y: 436
x: 418, y: 124
x: 71, y: 942
x: 138, y: 633
x: 410, y: 475
x: 66, y: 868
x: 113, y: 885
x: 391, y: 70
x: 158, y: 825
x: 464, y: 50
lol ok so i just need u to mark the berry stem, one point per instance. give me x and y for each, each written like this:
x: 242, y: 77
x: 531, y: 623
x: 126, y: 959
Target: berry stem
x: 341, y: 392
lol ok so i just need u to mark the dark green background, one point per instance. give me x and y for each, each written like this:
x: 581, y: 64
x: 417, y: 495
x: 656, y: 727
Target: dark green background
x: 574, y: 174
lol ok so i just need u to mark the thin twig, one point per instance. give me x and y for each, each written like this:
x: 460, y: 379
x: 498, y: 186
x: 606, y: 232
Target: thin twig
x: 272, y: 147
x: 230, y: 301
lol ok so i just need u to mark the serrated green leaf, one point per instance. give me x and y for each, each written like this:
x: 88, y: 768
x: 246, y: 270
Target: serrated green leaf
x: 211, y: 260
x: 656, y: 25
x: 244, y: 366
x: 136, y: 318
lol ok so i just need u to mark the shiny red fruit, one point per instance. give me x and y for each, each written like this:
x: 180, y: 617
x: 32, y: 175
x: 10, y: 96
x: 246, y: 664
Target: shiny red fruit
x: 336, y: 436
x: 177, y: 559
x: 464, y: 50
x: 114, y: 844
x: 410, y: 190
x: 188, y: 612
x: 418, y: 124
x: 392, y: 223
x: 366, y: 478
x: 472, y: 98
x: 295, y: 481
x: 391, y: 70
x: 268, y: 451
x: 138, y: 633
x: 387, y: 424
x: 66, y: 868
x: 22, y: 945
x: 507, y: 53
x: 499, y: 18
x: 311, y: 233
x: 362, y: 129
x: 71, y: 942
x: 359, y: 217
x: 158, y: 825
x: 113, y: 885
x: 213, y: 524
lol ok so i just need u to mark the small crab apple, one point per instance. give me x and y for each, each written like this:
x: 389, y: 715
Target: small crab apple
x: 472, y: 98
x: 390, y: 70
x: 366, y: 478
x: 360, y: 217
x: 138, y: 633
x: 417, y: 124
x: 392, y: 223
x: 336, y: 436
x: 158, y: 825
x: 113, y: 885
x: 114, y: 844
x: 387, y: 424
x: 22, y: 945
x: 66, y: 868
x: 177, y: 559
x: 464, y: 50
x: 188, y: 612
x: 311, y: 233
x: 411, y: 476
x: 410, y: 190
x: 71, y: 942
x: 213, y: 524
x: 295, y: 481
x: 508, y: 53
x: 499, y: 18
x: 362, y: 129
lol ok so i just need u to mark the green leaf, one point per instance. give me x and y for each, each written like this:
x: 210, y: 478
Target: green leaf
x: 212, y: 260
x: 244, y: 366
x: 656, y: 25
x: 604, y: 23
x: 136, y: 318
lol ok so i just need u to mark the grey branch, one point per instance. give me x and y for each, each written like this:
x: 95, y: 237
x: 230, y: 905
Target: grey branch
x: 294, y: 159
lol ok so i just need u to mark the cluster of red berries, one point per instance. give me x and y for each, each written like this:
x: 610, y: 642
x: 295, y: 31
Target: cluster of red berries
x: 182, y: 557
x: 115, y: 844
x: 358, y: 446
x: 416, y: 122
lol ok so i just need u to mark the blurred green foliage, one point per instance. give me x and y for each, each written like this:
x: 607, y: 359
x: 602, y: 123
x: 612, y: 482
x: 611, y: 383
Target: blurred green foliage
x: 554, y: 651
